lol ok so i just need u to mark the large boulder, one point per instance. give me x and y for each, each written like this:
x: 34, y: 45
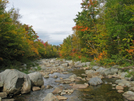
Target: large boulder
x: 36, y: 79
x: 50, y: 97
x: 129, y: 95
x: 95, y: 81
x: 15, y: 81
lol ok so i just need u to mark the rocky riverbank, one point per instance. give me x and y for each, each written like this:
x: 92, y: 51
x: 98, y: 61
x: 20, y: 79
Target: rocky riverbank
x: 64, y: 84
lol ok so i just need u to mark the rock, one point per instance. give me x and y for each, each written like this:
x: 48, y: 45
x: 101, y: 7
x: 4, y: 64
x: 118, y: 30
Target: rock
x: 91, y: 73
x: 36, y: 88
x: 123, y: 82
x: 15, y: 81
x: 131, y: 89
x: 3, y: 94
x: 129, y: 95
x: 69, y: 91
x: 42, y: 87
x: 58, y: 90
x: 80, y: 86
x: 8, y: 100
x: 66, y: 81
x: 119, y: 87
x: 55, y: 76
x: 61, y: 98
x: 95, y: 81
x: 45, y: 74
x: 88, y: 64
x: 50, y: 97
x: 111, y: 71
x: 65, y: 64
x: 72, y: 77
x: 95, y: 67
x: 49, y: 87
x: 36, y: 79
x: 120, y: 91
x: 101, y: 70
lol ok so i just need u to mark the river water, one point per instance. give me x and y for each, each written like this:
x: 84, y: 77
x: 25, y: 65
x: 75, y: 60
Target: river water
x: 102, y: 92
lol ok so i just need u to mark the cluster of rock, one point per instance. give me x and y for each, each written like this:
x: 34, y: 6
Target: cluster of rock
x: 93, y: 76
x: 96, y: 73
x: 14, y: 82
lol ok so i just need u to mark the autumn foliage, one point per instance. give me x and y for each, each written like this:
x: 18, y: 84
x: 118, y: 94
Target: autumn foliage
x: 19, y: 42
x: 103, y: 32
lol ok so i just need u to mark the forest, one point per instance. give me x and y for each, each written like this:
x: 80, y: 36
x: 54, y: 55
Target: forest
x: 19, y: 42
x: 104, y: 32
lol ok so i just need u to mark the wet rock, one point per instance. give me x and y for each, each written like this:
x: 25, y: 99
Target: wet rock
x: 36, y: 79
x: 113, y: 85
x: 15, y: 81
x: 50, y: 97
x: 8, y: 100
x: 36, y: 88
x: 120, y: 91
x: 3, y: 94
x: 42, y: 87
x: 123, y: 82
x: 119, y: 87
x: 65, y: 64
x: 89, y: 73
x: 131, y: 89
x: 49, y: 87
x: 45, y: 74
x: 55, y: 76
x: 69, y: 91
x: 129, y: 95
x: 66, y: 81
x: 72, y: 78
x: 61, y: 98
x: 57, y: 90
x: 95, y: 81
x: 79, y: 86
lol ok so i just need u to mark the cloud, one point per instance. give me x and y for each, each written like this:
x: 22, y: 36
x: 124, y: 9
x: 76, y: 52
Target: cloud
x: 52, y: 19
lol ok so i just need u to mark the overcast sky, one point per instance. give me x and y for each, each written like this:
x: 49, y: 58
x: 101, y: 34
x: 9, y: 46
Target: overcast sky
x: 51, y: 19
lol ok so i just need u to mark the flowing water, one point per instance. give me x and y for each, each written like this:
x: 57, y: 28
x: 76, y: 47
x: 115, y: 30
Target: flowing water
x: 102, y: 92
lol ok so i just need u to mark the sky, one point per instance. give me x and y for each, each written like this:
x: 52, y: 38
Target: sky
x: 51, y: 19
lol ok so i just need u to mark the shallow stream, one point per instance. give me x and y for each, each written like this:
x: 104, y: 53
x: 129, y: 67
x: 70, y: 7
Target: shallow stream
x: 102, y: 92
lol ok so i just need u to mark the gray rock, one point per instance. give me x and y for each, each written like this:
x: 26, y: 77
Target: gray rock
x: 65, y: 64
x: 111, y: 71
x: 87, y: 63
x: 123, y: 82
x: 36, y: 78
x: 131, y: 89
x: 3, y: 94
x: 95, y: 67
x: 129, y: 95
x: 50, y: 97
x: 15, y: 81
x: 101, y: 70
x: 95, y: 81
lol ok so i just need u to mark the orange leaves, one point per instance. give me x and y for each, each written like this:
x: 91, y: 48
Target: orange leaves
x: 80, y: 28
x: 101, y: 56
